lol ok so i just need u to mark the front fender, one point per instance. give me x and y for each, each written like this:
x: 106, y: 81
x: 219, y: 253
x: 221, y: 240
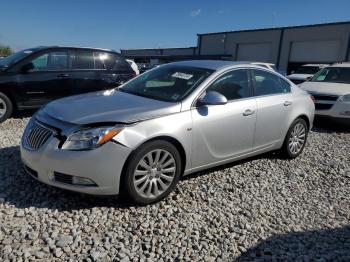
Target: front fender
x: 177, y: 126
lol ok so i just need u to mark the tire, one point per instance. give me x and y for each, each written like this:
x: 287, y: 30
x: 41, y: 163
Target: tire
x: 6, y: 107
x: 295, y: 139
x: 146, y: 183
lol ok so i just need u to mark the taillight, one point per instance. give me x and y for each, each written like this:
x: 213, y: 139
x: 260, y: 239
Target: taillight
x: 312, y: 98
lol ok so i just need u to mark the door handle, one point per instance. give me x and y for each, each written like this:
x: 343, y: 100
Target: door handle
x: 287, y: 103
x: 248, y: 112
x: 62, y: 75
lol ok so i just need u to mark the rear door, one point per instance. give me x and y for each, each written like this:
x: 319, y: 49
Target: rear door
x: 86, y: 71
x: 221, y: 132
x: 274, y: 106
x: 94, y: 70
x: 48, y: 80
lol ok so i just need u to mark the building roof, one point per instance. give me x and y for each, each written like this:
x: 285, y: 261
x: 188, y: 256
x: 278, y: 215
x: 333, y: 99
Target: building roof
x: 276, y: 28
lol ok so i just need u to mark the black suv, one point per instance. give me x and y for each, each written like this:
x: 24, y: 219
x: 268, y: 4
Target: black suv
x: 33, y: 77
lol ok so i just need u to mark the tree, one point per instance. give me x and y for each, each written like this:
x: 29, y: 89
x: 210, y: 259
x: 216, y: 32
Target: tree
x: 5, y: 50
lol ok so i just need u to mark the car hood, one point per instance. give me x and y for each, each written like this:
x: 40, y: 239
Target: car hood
x: 108, y: 106
x: 326, y: 88
x: 298, y: 76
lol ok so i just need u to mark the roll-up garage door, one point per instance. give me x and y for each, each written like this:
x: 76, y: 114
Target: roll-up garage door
x: 315, y: 51
x: 260, y: 52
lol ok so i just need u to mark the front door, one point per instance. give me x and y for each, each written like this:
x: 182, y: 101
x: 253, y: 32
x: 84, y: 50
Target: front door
x: 222, y: 132
x: 47, y: 81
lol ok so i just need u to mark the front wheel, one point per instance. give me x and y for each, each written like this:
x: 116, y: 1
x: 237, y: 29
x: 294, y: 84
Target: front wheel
x: 295, y: 140
x: 152, y: 172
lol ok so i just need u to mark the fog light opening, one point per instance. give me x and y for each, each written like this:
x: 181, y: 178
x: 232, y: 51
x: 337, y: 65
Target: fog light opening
x: 73, y: 180
x: 82, y: 181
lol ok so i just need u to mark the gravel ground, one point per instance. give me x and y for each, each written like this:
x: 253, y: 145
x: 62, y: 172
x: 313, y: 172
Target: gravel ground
x: 264, y: 208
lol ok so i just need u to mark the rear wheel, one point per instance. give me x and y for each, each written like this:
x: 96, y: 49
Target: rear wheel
x: 152, y: 172
x: 295, y: 140
x: 5, y: 107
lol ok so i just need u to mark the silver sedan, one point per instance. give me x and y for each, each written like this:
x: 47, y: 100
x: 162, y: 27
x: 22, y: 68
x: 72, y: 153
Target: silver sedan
x: 171, y: 121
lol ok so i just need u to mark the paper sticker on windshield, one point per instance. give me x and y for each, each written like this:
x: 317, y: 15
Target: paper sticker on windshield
x: 28, y: 51
x: 182, y: 75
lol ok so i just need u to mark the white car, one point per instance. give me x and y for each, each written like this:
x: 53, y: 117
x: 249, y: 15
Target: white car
x: 133, y: 66
x: 331, y: 90
x: 305, y: 72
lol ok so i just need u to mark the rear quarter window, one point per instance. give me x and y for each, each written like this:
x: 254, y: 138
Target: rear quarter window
x: 122, y: 65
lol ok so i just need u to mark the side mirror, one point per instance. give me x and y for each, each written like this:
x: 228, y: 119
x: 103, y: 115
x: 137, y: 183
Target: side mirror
x: 308, y: 78
x: 213, y: 98
x: 27, y: 67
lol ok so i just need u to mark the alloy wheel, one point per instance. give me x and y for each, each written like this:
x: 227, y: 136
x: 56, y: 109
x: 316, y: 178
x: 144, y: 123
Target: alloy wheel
x: 297, y: 138
x: 154, y: 173
x: 3, y: 107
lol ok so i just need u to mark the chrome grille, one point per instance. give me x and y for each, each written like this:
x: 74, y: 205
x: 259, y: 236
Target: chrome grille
x: 36, y: 135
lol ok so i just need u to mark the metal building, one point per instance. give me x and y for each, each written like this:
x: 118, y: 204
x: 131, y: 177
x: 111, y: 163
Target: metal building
x: 287, y: 47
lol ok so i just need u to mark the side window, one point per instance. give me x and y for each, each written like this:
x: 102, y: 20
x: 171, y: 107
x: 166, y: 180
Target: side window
x: 83, y: 60
x: 232, y: 85
x: 58, y: 61
x: 51, y: 61
x: 267, y: 83
x: 41, y: 63
x: 108, y: 60
x: 99, y: 57
x: 114, y: 62
x: 122, y: 65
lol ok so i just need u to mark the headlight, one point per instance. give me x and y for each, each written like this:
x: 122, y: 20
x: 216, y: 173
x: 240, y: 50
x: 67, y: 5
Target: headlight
x: 91, y: 138
x: 345, y: 98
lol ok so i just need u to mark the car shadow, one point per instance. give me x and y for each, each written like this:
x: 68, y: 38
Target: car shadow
x: 316, y: 245
x: 272, y: 155
x: 18, y: 114
x: 21, y: 190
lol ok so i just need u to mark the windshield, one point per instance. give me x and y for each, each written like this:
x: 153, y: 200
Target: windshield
x: 11, y: 59
x: 308, y: 70
x: 167, y: 83
x: 333, y: 75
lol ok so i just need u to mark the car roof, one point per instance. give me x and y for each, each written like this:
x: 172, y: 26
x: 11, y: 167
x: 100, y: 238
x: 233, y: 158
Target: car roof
x: 345, y: 64
x: 71, y: 47
x: 211, y: 64
x: 262, y: 63
x: 320, y: 65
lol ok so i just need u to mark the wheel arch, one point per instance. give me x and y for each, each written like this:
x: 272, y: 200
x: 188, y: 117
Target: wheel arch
x: 169, y: 139
x: 306, y: 118
x: 9, y: 94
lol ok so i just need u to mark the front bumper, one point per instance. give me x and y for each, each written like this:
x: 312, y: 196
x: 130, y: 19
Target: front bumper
x: 102, y: 165
x: 339, y: 110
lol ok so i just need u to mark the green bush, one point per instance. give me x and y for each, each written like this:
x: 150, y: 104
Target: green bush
x: 5, y: 50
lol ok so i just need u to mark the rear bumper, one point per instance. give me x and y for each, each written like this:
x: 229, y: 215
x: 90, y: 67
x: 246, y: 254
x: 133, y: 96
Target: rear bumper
x: 103, y: 166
